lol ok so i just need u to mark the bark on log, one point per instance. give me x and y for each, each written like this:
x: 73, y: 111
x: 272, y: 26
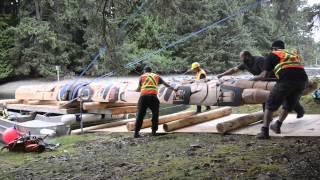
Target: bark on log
x: 197, y: 118
x: 162, y: 119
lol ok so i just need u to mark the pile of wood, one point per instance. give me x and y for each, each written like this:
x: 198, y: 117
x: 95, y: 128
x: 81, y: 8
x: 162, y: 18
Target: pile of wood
x: 185, y: 119
x: 170, y: 122
x: 67, y: 107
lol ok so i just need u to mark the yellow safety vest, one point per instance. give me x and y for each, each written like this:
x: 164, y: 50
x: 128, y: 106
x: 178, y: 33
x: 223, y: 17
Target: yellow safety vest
x: 198, y: 75
x: 287, y: 60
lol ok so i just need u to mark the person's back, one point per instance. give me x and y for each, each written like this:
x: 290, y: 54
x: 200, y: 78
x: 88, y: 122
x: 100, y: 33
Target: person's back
x: 287, y: 65
x: 255, y: 66
x: 148, y: 86
x: 252, y: 64
x: 149, y: 83
x: 289, y: 70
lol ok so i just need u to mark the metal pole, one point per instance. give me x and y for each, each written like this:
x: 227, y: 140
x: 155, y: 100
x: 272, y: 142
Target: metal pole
x: 81, y: 121
x: 58, y: 73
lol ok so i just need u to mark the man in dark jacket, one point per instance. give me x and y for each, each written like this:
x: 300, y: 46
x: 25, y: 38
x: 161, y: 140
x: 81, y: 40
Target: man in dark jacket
x: 292, y: 78
x: 253, y: 64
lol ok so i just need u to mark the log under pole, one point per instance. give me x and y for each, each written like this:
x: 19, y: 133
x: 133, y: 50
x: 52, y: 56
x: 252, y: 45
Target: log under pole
x: 242, y: 121
x: 239, y: 122
x: 162, y: 119
x: 197, y: 118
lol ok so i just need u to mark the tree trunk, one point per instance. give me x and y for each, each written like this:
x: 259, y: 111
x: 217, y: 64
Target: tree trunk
x: 37, y: 7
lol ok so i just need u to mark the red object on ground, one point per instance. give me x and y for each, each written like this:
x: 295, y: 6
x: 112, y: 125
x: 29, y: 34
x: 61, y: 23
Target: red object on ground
x: 9, y: 135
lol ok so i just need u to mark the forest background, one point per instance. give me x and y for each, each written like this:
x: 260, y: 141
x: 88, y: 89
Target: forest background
x: 38, y: 35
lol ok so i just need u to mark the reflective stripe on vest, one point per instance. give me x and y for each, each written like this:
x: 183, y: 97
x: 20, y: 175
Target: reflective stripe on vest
x: 198, y: 75
x: 287, y: 60
x: 149, y: 83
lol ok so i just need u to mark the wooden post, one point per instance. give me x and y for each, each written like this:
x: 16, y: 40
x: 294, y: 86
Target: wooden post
x: 197, y: 118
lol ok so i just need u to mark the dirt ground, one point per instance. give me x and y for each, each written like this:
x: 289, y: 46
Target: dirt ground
x: 170, y: 156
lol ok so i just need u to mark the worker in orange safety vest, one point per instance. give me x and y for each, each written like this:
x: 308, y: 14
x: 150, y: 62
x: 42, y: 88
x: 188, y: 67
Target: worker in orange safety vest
x: 148, y: 87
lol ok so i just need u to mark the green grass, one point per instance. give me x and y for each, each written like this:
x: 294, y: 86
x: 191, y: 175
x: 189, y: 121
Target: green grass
x: 67, y: 145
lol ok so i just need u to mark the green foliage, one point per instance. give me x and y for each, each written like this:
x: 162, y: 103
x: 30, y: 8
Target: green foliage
x: 6, y: 41
x: 43, y: 34
x: 41, y: 49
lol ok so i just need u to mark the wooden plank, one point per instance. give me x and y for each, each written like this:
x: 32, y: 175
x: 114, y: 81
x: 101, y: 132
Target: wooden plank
x: 99, y: 111
x: 43, y: 108
x: 115, y: 110
x: 309, y: 126
x: 60, y: 104
x: 68, y: 104
x: 10, y: 101
x: 101, y: 126
x: 48, y: 102
x: 101, y: 105
x: 123, y: 110
x: 31, y: 102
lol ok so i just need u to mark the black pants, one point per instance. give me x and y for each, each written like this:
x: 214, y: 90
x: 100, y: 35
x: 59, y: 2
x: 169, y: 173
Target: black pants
x: 286, y: 94
x: 145, y: 102
x: 298, y: 108
x: 199, y: 108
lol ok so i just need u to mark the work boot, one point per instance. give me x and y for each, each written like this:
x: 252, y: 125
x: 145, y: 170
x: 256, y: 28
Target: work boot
x: 264, y: 134
x: 136, y: 135
x: 276, y: 127
x: 300, y: 112
x: 154, y: 133
x: 198, y: 109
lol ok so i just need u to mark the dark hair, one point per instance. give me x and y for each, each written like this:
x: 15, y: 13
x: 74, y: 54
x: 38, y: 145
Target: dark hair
x: 278, y: 44
x: 246, y: 53
x: 147, y: 69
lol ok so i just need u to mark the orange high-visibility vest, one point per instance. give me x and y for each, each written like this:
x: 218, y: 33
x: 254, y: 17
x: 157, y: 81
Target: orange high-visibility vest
x: 288, y: 59
x: 198, y: 75
x: 149, y: 83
